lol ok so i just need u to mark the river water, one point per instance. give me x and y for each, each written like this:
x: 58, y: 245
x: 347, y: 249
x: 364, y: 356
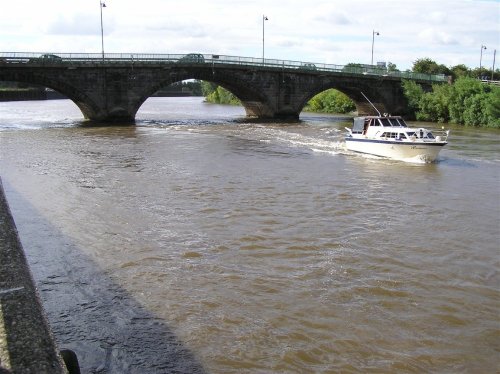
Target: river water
x: 199, y: 242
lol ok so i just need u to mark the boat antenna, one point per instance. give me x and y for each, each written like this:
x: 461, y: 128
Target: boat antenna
x: 374, y: 107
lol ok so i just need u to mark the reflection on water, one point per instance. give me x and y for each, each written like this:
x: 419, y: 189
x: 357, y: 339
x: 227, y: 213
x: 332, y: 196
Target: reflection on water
x: 201, y: 241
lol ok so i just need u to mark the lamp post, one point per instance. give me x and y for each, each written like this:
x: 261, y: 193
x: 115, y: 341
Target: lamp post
x: 264, y: 19
x: 481, y: 59
x: 102, y: 5
x: 493, y: 68
x: 373, y: 41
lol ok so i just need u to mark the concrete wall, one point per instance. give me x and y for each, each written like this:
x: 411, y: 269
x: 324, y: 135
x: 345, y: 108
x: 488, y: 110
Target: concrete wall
x: 27, y: 345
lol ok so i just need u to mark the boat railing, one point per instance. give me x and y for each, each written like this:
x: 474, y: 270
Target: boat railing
x: 422, y: 134
x: 441, y: 135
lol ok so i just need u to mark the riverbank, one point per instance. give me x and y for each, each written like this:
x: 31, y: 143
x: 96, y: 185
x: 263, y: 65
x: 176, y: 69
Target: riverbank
x: 24, y: 95
x: 26, y: 341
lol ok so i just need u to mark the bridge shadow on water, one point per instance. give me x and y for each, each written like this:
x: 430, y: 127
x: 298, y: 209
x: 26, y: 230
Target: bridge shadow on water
x: 88, y: 311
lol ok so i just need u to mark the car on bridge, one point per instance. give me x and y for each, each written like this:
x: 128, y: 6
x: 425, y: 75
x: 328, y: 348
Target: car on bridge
x: 47, y: 58
x: 193, y: 58
x: 308, y: 66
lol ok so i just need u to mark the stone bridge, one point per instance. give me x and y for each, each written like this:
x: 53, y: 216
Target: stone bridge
x: 113, y: 87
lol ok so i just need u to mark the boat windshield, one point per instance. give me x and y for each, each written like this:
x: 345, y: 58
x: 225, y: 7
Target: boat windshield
x: 393, y: 122
x: 385, y: 122
x: 401, y: 122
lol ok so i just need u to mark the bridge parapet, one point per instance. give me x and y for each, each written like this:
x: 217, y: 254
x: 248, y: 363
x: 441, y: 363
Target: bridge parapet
x: 139, y: 59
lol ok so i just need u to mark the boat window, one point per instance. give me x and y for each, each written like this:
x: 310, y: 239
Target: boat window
x: 402, y: 123
x: 374, y: 122
x: 392, y: 135
x: 410, y: 134
x: 385, y: 122
x: 358, y: 125
x: 429, y: 135
x: 394, y: 122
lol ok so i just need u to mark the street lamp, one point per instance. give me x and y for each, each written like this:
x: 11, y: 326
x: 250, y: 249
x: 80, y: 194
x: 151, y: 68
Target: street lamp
x: 493, y: 68
x: 481, y: 58
x: 373, y: 41
x: 264, y: 19
x: 102, y: 5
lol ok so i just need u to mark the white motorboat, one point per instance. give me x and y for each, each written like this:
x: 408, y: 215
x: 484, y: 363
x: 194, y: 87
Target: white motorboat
x: 390, y: 136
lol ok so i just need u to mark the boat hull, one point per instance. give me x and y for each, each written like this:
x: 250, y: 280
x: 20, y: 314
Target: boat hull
x: 398, y: 150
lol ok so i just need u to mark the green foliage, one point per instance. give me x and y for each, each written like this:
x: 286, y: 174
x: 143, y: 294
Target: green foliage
x: 493, y: 107
x: 207, y: 88
x: 467, y: 102
x: 463, y: 89
x: 222, y: 96
x: 459, y: 71
x: 414, y: 93
x: 392, y: 67
x: 330, y: 101
x: 428, y: 66
x: 475, y: 110
x: 434, y: 105
x: 194, y: 87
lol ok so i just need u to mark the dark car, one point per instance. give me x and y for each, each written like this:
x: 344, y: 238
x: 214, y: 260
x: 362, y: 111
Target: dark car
x: 47, y: 58
x: 196, y: 58
x: 308, y: 66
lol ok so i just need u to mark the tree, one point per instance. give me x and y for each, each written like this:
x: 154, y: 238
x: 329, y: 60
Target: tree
x: 493, y: 108
x: 434, y: 105
x: 428, y: 66
x: 331, y: 101
x: 413, y: 92
x: 474, y: 113
x: 467, y: 102
x: 462, y: 89
x: 207, y: 88
x: 459, y: 71
x: 222, y: 96
x: 392, y: 67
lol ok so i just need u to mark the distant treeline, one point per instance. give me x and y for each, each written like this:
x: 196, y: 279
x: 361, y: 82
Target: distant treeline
x: 29, y: 94
x: 185, y: 88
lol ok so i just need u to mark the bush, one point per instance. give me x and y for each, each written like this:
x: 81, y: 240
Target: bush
x: 467, y: 102
x: 330, y: 101
x: 222, y: 96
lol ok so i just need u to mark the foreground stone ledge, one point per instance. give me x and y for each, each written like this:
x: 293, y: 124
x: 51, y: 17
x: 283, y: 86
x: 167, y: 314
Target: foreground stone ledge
x: 26, y: 341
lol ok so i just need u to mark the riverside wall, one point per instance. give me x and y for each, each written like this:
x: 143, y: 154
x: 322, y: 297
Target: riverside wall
x: 27, y: 345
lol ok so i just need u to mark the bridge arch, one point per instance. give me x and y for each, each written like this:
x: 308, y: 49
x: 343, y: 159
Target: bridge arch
x: 354, y: 90
x: 87, y: 106
x: 252, y: 99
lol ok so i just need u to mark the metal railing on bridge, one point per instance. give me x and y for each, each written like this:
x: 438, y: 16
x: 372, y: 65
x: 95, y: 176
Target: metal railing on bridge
x: 73, y: 59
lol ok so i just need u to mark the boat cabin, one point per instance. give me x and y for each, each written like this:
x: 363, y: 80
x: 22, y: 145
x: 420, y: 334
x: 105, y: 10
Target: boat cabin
x: 361, y: 124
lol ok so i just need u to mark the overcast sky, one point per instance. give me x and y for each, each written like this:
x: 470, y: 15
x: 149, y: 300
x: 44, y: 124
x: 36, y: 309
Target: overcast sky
x: 450, y: 32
